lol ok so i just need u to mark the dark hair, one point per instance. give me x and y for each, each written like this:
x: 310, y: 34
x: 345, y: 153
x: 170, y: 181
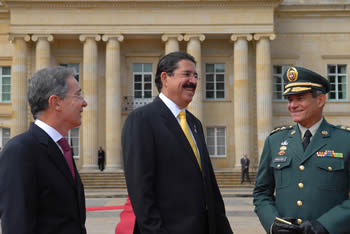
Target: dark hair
x: 168, y: 63
x: 44, y: 83
x: 316, y: 93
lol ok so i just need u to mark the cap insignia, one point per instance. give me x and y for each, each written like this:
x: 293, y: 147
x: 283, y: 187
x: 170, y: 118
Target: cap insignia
x: 292, y: 74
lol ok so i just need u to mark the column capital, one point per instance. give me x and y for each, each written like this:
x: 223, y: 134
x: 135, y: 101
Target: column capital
x: 200, y: 37
x: 166, y: 37
x: 235, y: 37
x: 48, y: 37
x: 119, y: 37
x: 83, y: 37
x: 13, y: 37
x: 270, y: 36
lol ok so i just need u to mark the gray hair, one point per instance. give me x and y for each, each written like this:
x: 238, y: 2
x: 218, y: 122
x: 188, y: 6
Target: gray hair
x: 44, y: 83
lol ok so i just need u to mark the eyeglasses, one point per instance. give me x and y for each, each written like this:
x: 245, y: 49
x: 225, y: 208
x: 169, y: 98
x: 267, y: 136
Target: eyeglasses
x: 187, y: 75
x: 80, y: 95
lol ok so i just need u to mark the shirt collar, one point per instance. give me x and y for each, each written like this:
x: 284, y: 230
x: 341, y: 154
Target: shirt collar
x: 313, y: 128
x: 171, y: 105
x: 53, y: 133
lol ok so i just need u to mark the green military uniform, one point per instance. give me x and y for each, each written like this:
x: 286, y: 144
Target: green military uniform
x: 310, y: 185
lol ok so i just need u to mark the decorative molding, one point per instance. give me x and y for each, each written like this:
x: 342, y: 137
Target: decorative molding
x: 48, y: 37
x: 5, y: 58
x: 139, y: 3
x: 234, y: 37
x: 83, y: 37
x: 336, y: 56
x: 313, y: 10
x: 13, y: 37
x: 119, y: 37
x: 137, y: 29
x: 270, y: 36
x: 200, y: 37
x: 166, y: 37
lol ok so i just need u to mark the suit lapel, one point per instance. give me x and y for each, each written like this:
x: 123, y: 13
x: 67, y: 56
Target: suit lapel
x: 318, y: 141
x: 174, y: 128
x: 54, y: 153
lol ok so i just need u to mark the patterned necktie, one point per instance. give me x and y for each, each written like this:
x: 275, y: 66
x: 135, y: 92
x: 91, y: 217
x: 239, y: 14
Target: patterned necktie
x: 183, y: 124
x: 307, y: 137
x: 67, y: 154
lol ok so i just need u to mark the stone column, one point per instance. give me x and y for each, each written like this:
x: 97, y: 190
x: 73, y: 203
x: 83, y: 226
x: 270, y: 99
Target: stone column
x: 194, y: 49
x: 89, y: 122
x: 264, y: 84
x: 172, y: 42
x: 42, y: 51
x: 19, y: 84
x: 113, y: 102
x: 241, y: 96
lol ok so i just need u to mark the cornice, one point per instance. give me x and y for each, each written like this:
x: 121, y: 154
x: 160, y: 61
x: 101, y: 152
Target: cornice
x: 138, y: 3
x: 314, y: 11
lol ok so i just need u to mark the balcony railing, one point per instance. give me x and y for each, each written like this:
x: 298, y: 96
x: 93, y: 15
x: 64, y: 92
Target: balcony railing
x: 130, y: 103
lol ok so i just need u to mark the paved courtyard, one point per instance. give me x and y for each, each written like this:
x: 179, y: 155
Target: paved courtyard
x: 238, y: 202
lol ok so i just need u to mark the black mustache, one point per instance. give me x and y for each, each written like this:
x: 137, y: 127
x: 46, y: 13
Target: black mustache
x: 189, y: 86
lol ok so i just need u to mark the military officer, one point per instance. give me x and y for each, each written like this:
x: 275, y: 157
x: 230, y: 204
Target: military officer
x: 304, y: 171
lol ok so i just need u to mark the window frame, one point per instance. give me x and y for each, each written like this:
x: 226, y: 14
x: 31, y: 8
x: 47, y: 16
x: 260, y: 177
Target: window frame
x: 2, y: 143
x: 1, y: 84
x: 214, y: 73
x: 336, y: 75
x: 216, y: 155
x: 70, y: 140
x: 142, y: 73
x: 284, y: 67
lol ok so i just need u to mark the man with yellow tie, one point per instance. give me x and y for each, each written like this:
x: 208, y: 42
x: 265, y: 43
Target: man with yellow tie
x: 170, y: 179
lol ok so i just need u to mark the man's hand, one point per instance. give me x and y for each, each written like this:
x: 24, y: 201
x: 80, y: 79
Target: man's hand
x: 313, y: 227
x: 282, y: 228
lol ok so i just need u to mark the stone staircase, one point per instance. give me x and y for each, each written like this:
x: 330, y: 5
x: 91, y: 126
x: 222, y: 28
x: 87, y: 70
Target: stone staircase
x: 116, y: 180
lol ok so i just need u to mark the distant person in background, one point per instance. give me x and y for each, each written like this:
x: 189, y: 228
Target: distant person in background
x: 101, y: 158
x: 40, y: 187
x: 245, y: 168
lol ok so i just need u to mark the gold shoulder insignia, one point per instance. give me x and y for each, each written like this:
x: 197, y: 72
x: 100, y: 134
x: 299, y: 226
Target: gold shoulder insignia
x: 343, y: 127
x: 281, y: 129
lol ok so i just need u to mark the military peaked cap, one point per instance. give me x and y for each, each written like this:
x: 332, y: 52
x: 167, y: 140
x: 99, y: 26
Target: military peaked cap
x: 301, y: 80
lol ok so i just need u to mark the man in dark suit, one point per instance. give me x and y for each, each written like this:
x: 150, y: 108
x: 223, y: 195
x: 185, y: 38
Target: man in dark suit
x: 170, y: 179
x: 304, y: 170
x: 101, y: 158
x: 245, y: 168
x: 40, y: 188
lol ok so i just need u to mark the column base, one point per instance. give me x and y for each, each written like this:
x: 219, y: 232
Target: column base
x: 89, y: 168
x: 113, y: 168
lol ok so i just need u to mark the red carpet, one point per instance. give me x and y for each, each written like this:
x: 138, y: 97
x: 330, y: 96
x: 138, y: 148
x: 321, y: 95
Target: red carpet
x: 127, y: 217
x: 127, y: 220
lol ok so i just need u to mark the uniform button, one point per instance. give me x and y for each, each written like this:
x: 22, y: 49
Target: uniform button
x: 299, y: 221
x: 330, y: 168
x: 299, y: 203
x: 301, y: 185
x: 301, y: 167
x: 279, y: 165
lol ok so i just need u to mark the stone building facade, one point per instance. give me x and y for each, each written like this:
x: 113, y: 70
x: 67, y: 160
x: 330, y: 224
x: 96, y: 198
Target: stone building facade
x: 242, y: 48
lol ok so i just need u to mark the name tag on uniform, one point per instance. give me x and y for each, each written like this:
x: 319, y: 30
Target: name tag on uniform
x: 329, y: 154
x: 279, y: 159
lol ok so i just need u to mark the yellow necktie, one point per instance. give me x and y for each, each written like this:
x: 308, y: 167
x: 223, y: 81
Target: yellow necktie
x: 183, y: 124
